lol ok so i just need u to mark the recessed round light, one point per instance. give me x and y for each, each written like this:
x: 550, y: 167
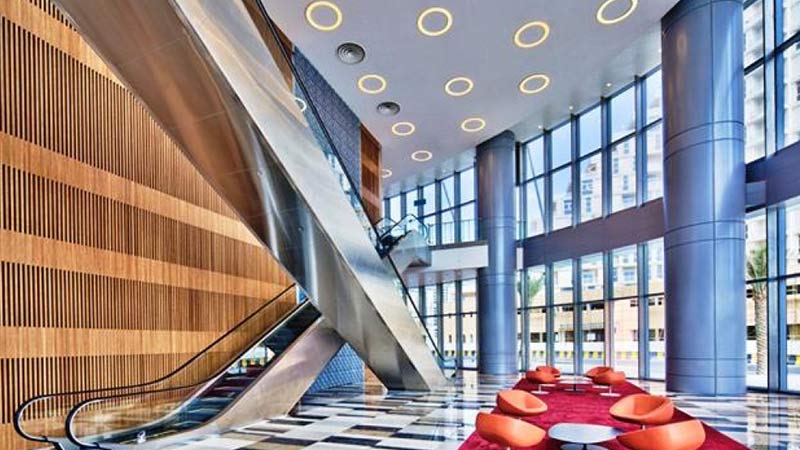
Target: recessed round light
x: 435, y: 12
x: 386, y: 173
x: 458, y: 86
x: 473, y: 124
x: 608, y: 85
x: 403, y: 128
x: 533, y: 84
x: 323, y: 15
x: 522, y: 42
x: 372, y: 84
x: 350, y: 53
x: 301, y: 103
x: 421, y: 155
x: 571, y: 107
x: 388, y: 109
x: 605, y: 20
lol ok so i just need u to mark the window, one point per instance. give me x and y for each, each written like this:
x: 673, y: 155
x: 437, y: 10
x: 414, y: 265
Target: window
x: 533, y: 155
x: 624, y: 267
x: 656, y: 337
x: 792, y: 231
x: 653, y: 97
x: 592, y: 277
x: 590, y: 131
x: 655, y: 162
x: 466, y: 183
x: 429, y: 198
x: 536, y: 286
x: 594, y: 334
x: 754, y: 115
x: 623, y: 114
x: 791, y: 18
x: 655, y: 266
x: 562, y: 145
x: 591, y: 192
x: 395, y: 212
x: 626, y: 337
x: 534, y: 212
x: 791, y: 87
x: 753, y: 32
x: 623, y: 191
x: 411, y: 200
x: 756, y: 303
x: 793, y: 332
x: 564, y: 323
x: 561, y: 207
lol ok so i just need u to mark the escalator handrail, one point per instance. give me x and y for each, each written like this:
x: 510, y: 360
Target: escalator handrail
x: 313, y: 108
x: 405, y: 219
x: 221, y: 371
x: 25, y: 405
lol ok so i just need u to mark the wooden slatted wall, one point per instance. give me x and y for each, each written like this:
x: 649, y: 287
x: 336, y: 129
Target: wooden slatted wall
x: 117, y: 260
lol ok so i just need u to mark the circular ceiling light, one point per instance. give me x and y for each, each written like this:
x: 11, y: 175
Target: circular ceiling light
x: 301, y: 103
x: 458, y: 86
x: 350, y: 53
x: 372, y: 84
x: 442, y: 18
x: 473, y: 124
x: 388, y: 109
x: 605, y: 20
x: 403, y: 128
x: 529, y: 85
x: 386, y: 173
x: 421, y: 155
x: 522, y: 38
x: 323, y: 15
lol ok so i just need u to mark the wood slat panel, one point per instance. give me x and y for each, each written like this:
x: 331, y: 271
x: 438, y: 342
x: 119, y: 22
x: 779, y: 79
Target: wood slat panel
x: 118, y: 260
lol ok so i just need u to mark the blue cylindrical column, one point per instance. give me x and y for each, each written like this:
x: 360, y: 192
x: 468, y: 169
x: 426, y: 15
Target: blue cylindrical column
x: 497, y: 316
x: 704, y: 196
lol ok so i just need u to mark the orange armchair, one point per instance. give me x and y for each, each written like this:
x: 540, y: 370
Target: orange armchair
x: 556, y: 373
x: 507, y: 431
x: 520, y: 403
x: 595, y: 371
x: 643, y: 409
x: 541, y: 378
x: 688, y: 435
x: 610, y: 378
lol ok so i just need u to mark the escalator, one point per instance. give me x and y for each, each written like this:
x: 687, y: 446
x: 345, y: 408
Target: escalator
x: 214, y: 75
x: 168, y: 415
x: 257, y: 359
x: 405, y: 242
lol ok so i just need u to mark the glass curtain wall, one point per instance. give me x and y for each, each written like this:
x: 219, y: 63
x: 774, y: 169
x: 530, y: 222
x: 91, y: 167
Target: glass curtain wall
x: 447, y: 206
x: 618, y: 293
x: 615, y: 163
x: 451, y: 311
x: 772, y: 76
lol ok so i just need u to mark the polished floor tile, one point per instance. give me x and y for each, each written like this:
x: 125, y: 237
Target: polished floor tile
x: 358, y: 417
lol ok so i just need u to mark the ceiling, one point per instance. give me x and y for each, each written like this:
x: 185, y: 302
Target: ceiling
x: 583, y: 59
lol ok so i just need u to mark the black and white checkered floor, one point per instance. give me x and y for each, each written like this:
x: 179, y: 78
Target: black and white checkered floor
x: 359, y: 417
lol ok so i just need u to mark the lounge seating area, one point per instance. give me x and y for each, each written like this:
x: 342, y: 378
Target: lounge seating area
x: 599, y: 409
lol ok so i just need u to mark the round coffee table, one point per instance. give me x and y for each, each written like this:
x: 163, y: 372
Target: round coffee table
x: 579, y: 436
x: 575, y: 382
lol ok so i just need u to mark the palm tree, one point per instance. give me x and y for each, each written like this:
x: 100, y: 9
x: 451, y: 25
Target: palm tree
x: 534, y: 286
x: 757, y: 270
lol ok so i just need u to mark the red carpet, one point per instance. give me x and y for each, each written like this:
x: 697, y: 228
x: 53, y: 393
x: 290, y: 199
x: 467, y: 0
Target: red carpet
x: 591, y: 408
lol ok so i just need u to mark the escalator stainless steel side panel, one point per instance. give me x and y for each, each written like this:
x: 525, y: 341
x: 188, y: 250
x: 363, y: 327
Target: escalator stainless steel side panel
x: 287, y: 379
x: 273, y: 394
x: 204, y: 70
x: 412, y: 249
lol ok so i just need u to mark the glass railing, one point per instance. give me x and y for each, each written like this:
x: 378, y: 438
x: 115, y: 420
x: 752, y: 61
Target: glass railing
x: 42, y: 418
x: 389, y: 231
x: 349, y: 187
x: 135, y: 418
